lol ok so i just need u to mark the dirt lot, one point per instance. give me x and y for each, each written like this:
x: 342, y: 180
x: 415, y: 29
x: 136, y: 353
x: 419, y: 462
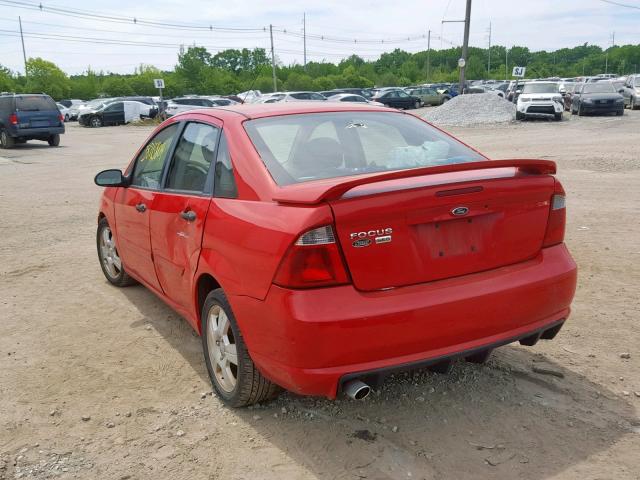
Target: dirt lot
x: 106, y: 383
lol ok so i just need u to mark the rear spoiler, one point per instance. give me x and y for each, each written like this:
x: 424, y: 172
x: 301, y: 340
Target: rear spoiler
x: 312, y: 193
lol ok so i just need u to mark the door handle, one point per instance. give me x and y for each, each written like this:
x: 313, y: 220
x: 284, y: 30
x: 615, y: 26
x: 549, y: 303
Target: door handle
x: 141, y: 207
x: 188, y: 215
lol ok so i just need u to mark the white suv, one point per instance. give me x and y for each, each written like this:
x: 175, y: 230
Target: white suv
x: 540, y: 99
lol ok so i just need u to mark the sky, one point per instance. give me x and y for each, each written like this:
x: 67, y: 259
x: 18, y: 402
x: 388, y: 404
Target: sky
x: 335, y: 28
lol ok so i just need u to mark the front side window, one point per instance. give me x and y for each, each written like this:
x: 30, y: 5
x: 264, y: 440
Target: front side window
x: 147, y: 171
x: 193, y: 158
x: 115, y: 107
x: 306, y: 147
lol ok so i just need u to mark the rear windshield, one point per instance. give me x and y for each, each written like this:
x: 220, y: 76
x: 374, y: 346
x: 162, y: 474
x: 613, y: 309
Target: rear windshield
x: 35, y: 103
x: 302, y: 148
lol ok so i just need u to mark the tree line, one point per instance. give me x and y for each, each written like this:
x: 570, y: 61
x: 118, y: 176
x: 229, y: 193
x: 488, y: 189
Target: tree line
x: 198, y: 71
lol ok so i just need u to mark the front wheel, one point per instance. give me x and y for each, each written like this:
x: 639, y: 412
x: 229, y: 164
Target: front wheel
x: 6, y: 140
x: 417, y: 104
x: 54, y: 140
x: 109, y: 257
x: 620, y: 113
x: 95, y: 122
x: 558, y: 116
x: 519, y: 115
x: 233, y: 374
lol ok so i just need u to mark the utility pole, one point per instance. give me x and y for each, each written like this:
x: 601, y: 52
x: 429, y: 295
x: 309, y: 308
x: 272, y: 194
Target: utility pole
x: 465, y: 44
x: 273, y: 60
x: 24, y: 53
x: 304, y: 37
x: 506, y: 63
x: 428, y: 55
x: 489, y: 59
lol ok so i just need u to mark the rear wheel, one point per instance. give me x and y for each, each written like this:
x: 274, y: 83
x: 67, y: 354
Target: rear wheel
x: 66, y: 117
x: 233, y: 374
x: 54, y: 140
x: 6, y: 140
x: 110, y: 261
x: 95, y: 122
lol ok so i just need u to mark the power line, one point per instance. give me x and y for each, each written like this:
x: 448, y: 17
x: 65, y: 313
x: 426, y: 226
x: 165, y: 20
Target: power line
x: 618, y: 4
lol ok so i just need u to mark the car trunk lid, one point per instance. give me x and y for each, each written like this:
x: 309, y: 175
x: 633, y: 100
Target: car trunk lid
x: 420, y: 228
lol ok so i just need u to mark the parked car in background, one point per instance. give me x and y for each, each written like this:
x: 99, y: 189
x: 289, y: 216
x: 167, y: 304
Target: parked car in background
x: 28, y: 116
x: 118, y: 112
x: 363, y: 92
x: 631, y: 91
x: 64, y: 111
x: 567, y: 95
x: 597, y: 97
x: 183, y: 104
x: 292, y: 97
x: 396, y: 98
x: 72, y: 105
x: 539, y: 99
x: 93, y: 105
x: 351, y: 97
x: 249, y: 96
x: 428, y: 96
x: 313, y: 249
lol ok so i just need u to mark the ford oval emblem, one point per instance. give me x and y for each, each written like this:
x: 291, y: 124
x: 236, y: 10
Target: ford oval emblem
x: 459, y: 211
x: 363, y: 242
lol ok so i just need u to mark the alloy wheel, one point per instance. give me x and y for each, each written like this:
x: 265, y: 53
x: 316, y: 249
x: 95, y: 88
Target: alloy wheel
x: 223, y: 353
x: 109, y: 253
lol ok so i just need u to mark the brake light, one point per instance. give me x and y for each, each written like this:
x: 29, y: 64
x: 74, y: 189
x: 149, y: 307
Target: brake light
x: 557, y: 217
x: 314, y: 260
x: 61, y: 118
x: 13, y: 119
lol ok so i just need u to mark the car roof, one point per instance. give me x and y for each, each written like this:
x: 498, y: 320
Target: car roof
x: 262, y: 110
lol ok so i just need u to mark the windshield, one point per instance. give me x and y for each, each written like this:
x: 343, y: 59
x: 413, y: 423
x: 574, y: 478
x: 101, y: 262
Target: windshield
x: 301, y: 148
x: 598, y: 87
x: 35, y: 103
x: 540, y: 88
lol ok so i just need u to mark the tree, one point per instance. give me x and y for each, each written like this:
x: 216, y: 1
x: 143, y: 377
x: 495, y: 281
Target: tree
x: 7, y: 82
x: 117, y: 87
x: 44, y: 76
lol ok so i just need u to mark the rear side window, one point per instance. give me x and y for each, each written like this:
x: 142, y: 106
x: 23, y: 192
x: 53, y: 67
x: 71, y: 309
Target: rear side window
x: 148, y: 168
x: 300, y: 148
x: 224, y: 182
x: 193, y: 158
x: 35, y: 103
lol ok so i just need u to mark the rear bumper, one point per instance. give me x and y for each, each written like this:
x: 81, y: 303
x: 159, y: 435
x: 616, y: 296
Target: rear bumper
x: 309, y: 340
x: 36, y: 132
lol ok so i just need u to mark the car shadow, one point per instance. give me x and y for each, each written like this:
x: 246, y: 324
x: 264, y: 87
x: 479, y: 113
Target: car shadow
x: 499, y: 420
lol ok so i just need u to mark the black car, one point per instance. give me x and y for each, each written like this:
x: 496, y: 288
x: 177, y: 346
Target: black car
x: 29, y: 117
x: 396, y: 98
x: 111, y: 113
x: 597, y: 97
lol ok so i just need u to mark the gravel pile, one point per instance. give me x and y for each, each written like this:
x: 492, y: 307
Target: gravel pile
x: 473, y: 109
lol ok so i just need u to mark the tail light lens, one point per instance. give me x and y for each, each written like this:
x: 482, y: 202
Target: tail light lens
x: 314, y: 260
x: 61, y: 118
x: 13, y: 119
x: 557, y: 217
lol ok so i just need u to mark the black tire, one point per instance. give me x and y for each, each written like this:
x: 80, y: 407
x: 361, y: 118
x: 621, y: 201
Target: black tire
x: 519, y: 116
x: 632, y: 103
x: 66, y: 117
x: 558, y: 117
x: 6, y: 140
x: 619, y: 113
x: 580, y: 110
x: 416, y: 105
x: 95, y: 122
x: 250, y: 386
x: 54, y: 140
x: 445, y: 100
x: 122, y: 279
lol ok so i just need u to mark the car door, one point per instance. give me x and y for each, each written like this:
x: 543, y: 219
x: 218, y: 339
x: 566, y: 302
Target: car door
x: 179, y: 210
x: 113, y: 114
x: 132, y: 205
x: 404, y: 100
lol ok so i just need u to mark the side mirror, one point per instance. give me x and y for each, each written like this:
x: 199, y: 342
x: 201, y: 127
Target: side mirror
x: 621, y: 90
x: 110, y: 178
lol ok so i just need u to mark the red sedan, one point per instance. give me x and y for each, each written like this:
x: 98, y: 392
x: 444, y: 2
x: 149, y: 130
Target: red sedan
x: 320, y: 247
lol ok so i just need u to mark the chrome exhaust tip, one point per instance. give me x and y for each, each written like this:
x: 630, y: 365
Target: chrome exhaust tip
x: 356, y: 390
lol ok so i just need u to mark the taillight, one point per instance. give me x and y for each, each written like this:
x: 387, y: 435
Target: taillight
x: 13, y: 119
x: 557, y: 217
x: 61, y: 118
x: 314, y: 260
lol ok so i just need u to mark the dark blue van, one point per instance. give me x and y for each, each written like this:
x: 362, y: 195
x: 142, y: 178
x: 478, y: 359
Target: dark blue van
x: 29, y: 116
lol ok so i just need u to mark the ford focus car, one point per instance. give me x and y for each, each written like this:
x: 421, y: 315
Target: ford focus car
x: 320, y: 247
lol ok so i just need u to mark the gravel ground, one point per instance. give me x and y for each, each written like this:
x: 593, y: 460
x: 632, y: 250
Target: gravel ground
x: 105, y: 383
x: 468, y: 110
